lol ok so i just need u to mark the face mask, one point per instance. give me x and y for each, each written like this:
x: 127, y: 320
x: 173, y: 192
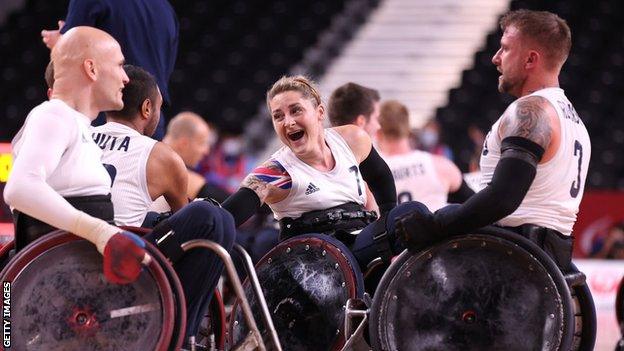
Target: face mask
x: 232, y: 147
x: 428, y: 138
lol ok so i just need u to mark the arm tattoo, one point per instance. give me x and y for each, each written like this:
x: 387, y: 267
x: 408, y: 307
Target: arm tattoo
x: 529, y: 120
x: 269, y: 175
x: 272, y: 172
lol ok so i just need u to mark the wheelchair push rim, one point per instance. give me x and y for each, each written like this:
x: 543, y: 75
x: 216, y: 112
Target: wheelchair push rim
x: 70, y: 303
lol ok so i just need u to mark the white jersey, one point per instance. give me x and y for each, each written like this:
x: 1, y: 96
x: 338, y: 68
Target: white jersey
x: 556, y: 192
x: 55, y: 157
x: 316, y: 190
x: 126, y: 152
x: 416, y: 179
x: 79, y: 171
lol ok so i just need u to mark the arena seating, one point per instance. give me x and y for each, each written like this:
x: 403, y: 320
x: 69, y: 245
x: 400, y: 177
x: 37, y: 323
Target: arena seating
x: 592, y: 79
x: 229, y: 53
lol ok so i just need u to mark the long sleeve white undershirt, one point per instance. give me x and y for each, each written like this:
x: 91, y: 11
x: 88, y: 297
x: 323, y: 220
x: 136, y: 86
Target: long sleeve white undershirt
x: 55, y: 157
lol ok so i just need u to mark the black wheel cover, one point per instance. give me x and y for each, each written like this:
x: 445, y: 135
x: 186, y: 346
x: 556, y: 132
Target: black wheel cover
x: 474, y: 292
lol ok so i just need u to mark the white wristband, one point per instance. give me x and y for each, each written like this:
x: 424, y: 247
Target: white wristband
x: 94, y: 229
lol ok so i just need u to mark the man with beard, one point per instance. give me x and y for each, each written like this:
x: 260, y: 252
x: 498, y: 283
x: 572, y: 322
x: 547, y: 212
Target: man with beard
x: 535, y: 158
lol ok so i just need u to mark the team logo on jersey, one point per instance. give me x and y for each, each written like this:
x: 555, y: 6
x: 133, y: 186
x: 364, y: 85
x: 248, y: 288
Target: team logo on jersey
x: 311, y: 189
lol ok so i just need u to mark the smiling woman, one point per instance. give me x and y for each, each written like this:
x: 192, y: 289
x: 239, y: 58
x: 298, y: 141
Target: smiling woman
x: 317, y: 171
x: 316, y: 187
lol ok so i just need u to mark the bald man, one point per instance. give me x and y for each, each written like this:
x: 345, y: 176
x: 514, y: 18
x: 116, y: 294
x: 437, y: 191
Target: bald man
x: 58, y: 180
x: 189, y: 135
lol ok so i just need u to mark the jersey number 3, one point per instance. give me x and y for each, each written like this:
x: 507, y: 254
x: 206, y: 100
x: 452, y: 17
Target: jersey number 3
x: 576, y: 185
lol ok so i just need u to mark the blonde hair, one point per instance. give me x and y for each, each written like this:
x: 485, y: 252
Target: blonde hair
x: 394, y: 119
x: 304, y: 85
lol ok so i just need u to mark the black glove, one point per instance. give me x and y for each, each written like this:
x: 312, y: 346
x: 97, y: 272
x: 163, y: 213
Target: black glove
x: 418, y: 229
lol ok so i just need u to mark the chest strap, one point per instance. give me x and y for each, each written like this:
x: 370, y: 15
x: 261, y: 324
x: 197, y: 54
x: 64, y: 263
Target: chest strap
x: 343, y: 218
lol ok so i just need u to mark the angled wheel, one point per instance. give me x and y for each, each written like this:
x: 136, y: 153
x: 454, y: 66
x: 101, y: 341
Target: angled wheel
x: 306, y: 281
x: 61, y: 300
x: 473, y: 292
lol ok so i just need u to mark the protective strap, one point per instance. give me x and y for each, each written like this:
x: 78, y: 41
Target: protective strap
x: 166, y: 241
x: 347, y: 217
x: 28, y: 229
x: 381, y: 239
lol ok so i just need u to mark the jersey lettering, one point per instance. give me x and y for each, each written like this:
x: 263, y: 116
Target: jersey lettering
x: 112, y: 171
x: 569, y: 112
x: 407, y: 172
x: 107, y: 142
x: 485, y: 146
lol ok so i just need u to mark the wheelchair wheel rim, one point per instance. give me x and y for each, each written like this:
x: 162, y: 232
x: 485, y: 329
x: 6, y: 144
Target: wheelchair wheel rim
x: 69, y: 302
x: 346, y: 282
x: 467, y: 317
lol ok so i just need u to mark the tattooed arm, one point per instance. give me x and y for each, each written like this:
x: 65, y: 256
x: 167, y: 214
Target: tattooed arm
x: 268, y: 183
x: 528, y: 128
x: 532, y: 118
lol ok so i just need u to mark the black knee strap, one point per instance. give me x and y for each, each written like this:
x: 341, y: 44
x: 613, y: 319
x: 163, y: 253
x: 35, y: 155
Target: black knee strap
x: 166, y: 241
x: 382, y: 241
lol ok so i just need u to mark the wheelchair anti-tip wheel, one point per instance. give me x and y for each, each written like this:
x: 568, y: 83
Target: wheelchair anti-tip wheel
x: 60, y: 300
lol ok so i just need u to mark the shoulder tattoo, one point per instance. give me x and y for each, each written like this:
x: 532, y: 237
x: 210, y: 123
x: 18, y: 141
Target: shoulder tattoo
x: 528, y: 120
x: 270, y: 172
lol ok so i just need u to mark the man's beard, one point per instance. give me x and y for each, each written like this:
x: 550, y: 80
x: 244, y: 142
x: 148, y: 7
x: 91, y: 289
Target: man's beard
x: 508, y: 86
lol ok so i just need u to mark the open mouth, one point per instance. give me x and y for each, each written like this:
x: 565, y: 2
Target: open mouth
x: 296, y: 135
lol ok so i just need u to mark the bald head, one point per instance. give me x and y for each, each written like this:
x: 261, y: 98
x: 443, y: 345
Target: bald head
x: 79, y: 44
x: 189, y: 135
x: 186, y: 124
x: 88, y: 70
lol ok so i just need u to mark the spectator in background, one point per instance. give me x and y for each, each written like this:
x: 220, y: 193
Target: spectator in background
x: 147, y: 31
x: 358, y: 105
x: 189, y: 135
x: 228, y: 164
x: 429, y: 140
x: 418, y: 175
x: 355, y: 104
x: 613, y: 244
